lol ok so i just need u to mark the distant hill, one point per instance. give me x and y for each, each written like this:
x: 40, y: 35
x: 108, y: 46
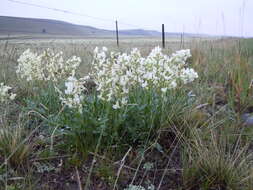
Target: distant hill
x: 46, y: 27
x: 16, y: 25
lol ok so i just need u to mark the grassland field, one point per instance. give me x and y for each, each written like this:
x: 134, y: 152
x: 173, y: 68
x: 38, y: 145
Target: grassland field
x: 202, y: 140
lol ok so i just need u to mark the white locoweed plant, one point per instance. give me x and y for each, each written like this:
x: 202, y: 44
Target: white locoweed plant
x: 117, y: 74
x: 44, y: 73
x: 133, y: 97
x: 47, y: 66
x: 73, y: 94
x: 5, y: 94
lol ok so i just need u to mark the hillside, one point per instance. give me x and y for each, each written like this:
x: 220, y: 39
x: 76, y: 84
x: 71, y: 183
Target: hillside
x: 15, y: 25
x: 46, y: 27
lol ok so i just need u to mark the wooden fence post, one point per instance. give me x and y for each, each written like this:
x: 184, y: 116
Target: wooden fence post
x: 117, y: 33
x: 163, y: 36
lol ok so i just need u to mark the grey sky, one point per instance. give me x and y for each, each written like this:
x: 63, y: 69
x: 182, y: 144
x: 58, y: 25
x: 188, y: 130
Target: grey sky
x: 226, y: 17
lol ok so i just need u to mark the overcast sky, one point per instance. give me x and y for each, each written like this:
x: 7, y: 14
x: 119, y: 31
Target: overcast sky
x: 221, y: 17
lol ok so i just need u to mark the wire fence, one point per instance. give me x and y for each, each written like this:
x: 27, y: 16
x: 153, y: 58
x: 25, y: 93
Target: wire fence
x: 64, y: 11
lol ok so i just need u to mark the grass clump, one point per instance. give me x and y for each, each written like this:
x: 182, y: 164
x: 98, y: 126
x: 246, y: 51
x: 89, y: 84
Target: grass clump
x: 216, y: 164
x: 15, y: 148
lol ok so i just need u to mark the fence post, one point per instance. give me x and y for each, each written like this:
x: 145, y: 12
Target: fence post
x: 181, y: 40
x: 117, y: 33
x: 163, y: 36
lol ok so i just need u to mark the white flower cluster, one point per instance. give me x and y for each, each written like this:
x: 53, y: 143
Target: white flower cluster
x: 117, y: 74
x: 74, y: 93
x: 47, y: 66
x: 4, y: 93
x: 29, y: 66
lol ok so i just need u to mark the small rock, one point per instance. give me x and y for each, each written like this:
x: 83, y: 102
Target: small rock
x: 247, y: 119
